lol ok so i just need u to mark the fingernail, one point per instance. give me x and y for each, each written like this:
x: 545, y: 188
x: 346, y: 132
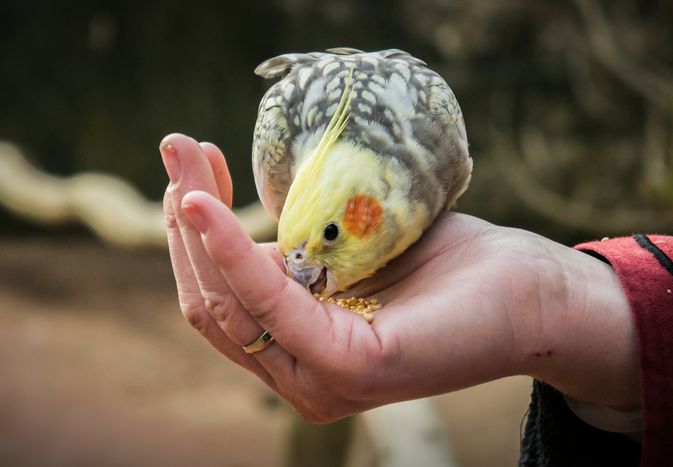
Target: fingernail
x: 195, y: 217
x: 170, y: 158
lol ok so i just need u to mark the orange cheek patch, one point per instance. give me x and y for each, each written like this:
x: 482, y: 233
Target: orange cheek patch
x: 363, y: 216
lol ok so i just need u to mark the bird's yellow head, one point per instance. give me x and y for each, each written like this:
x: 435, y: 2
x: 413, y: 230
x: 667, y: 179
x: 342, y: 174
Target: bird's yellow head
x: 333, y: 230
x: 332, y: 237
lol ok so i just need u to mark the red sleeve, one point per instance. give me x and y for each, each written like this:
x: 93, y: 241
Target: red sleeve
x: 644, y: 267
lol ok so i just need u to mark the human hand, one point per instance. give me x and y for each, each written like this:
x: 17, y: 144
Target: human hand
x: 470, y: 302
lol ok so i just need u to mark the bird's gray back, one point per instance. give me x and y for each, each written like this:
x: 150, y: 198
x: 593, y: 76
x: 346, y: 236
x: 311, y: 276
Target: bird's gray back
x: 399, y: 108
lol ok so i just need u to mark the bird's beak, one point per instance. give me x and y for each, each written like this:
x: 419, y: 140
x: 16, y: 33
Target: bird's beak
x: 315, y: 277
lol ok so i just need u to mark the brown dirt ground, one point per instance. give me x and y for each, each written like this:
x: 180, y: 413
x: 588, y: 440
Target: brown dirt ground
x: 98, y: 367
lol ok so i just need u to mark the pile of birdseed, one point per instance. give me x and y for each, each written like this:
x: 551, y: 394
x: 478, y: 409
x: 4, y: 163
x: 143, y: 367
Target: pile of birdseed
x: 364, y: 307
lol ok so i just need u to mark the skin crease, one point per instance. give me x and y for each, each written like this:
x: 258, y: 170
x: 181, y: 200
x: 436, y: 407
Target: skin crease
x: 470, y: 302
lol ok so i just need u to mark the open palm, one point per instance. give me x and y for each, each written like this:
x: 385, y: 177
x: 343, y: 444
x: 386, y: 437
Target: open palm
x: 468, y: 303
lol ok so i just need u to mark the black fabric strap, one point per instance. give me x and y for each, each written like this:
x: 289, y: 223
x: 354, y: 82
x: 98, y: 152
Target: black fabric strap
x: 555, y: 437
x: 659, y: 255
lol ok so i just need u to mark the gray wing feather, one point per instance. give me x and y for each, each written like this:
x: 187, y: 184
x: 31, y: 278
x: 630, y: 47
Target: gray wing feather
x: 297, y: 108
x: 272, y: 157
x: 397, y: 53
x: 344, y: 51
x: 280, y: 66
x: 271, y: 161
x: 442, y: 104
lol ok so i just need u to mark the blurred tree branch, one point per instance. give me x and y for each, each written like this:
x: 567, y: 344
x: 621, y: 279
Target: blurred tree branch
x: 109, y: 206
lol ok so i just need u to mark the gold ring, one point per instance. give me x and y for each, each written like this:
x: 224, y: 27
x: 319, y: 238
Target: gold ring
x: 262, y: 342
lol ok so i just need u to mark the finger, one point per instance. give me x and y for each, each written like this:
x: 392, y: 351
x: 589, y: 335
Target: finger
x: 302, y: 325
x: 218, y: 165
x: 273, y: 252
x: 220, y: 302
x: 195, y: 173
x: 191, y: 301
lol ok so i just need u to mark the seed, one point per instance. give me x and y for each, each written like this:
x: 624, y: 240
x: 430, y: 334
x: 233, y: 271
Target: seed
x: 362, y: 306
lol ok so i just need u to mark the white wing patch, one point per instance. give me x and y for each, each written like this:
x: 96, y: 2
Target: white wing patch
x: 312, y: 97
x: 304, y: 75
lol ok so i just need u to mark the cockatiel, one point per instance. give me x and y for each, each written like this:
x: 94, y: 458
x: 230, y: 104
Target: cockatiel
x: 355, y: 154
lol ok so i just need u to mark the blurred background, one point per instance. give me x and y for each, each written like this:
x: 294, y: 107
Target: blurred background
x: 569, y: 113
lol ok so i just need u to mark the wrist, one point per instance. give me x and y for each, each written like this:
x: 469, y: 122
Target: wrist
x: 586, y: 346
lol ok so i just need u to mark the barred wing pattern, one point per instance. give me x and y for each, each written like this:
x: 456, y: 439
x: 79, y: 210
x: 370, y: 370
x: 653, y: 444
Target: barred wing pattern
x: 400, y: 109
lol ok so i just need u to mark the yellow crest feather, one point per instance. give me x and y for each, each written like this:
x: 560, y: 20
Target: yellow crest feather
x: 334, y: 128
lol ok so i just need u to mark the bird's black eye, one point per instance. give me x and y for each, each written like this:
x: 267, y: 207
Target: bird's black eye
x: 331, y: 232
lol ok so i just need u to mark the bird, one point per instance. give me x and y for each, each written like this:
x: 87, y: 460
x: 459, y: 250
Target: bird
x: 355, y: 154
